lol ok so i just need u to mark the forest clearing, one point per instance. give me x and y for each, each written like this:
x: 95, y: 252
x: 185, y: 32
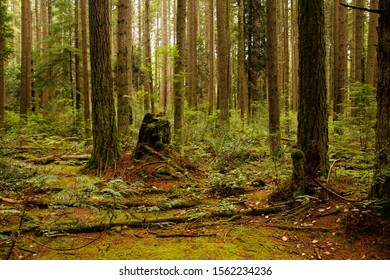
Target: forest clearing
x: 195, y: 130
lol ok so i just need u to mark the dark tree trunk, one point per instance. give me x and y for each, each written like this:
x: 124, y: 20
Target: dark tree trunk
x: 104, y: 130
x: 381, y: 187
x: 84, y: 47
x: 2, y: 73
x: 312, y: 111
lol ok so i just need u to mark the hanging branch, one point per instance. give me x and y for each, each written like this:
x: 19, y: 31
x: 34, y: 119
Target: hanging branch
x: 362, y: 8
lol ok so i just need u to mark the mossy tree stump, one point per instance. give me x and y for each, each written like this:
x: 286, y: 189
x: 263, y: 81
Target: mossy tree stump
x: 154, y: 135
x: 298, y: 176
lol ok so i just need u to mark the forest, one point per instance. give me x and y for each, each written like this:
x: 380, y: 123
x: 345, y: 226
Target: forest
x: 195, y: 129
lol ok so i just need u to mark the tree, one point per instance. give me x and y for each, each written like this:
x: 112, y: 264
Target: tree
x: 242, y: 95
x: 25, y: 87
x: 192, y: 53
x: 123, y: 70
x: 178, y: 82
x: 381, y: 186
x: 294, y: 55
x: 211, y: 42
x: 104, y: 130
x: 84, y: 50
x: 340, y: 58
x: 372, y: 45
x: 359, y: 43
x: 223, y: 59
x: 45, y: 38
x: 272, y: 77
x: 149, y: 101
x: 312, y: 109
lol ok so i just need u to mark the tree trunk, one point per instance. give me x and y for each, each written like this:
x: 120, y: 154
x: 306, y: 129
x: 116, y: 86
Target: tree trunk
x: 178, y: 83
x: 295, y: 55
x: 242, y: 95
x: 149, y: 102
x: 84, y: 47
x: 372, y: 45
x: 25, y: 91
x: 105, y: 139
x: 45, y: 36
x: 223, y: 59
x: 164, y: 85
x: 341, y: 60
x: 77, y: 61
x: 192, y: 78
x: 211, y: 56
x: 359, y: 41
x: 312, y: 110
x: 381, y: 187
x: 272, y: 77
x: 123, y: 70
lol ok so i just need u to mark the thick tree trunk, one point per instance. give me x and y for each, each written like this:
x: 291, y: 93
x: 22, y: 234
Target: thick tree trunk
x: 105, y: 139
x: 381, y: 187
x: 242, y: 95
x: 312, y: 111
x: 211, y: 51
x: 149, y: 101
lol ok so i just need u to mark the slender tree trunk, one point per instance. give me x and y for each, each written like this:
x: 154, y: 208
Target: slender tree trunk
x: 192, y: 79
x: 295, y: 55
x: 359, y: 41
x: 372, y: 45
x: 123, y: 70
x: 164, y: 57
x: 312, y: 109
x: 2, y: 69
x: 84, y: 47
x: 211, y: 34
x: 223, y: 59
x: 272, y: 78
x: 149, y: 101
x: 25, y: 91
x: 77, y: 61
x: 178, y: 83
x: 45, y: 36
x: 104, y: 130
x: 286, y: 67
x: 242, y: 96
x: 381, y: 187
x: 341, y: 60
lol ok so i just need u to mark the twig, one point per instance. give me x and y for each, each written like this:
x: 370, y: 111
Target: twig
x: 317, y: 253
x: 184, y: 235
x: 15, y: 238
x: 330, y: 169
x: 333, y: 192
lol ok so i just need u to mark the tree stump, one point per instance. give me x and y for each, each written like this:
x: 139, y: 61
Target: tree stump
x: 154, y: 135
x: 298, y: 176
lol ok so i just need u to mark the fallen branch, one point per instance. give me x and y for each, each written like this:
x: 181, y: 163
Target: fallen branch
x: 184, y: 235
x: 362, y: 8
x: 53, y: 158
x: 292, y: 228
x: 89, y: 227
x: 333, y: 192
x: 10, y: 200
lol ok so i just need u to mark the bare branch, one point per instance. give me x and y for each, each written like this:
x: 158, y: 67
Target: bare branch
x: 362, y: 8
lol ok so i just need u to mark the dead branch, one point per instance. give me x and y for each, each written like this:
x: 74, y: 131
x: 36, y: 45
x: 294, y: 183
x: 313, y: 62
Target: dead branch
x: 292, y: 228
x: 184, y: 235
x: 362, y: 8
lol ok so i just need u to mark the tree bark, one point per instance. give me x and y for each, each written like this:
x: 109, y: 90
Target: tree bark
x: 211, y: 50
x: 192, y: 79
x: 223, y: 59
x: 25, y: 91
x: 178, y: 83
x: 242, y: 95
x: 104, y: 130
x: 295, y: 55
x: 381, y: 186
x: 312, y: 110
x: 272, y: 78
x: 123, y: 68
x: 84, y: 50
x: 372, y: 45
x: 149, y: 101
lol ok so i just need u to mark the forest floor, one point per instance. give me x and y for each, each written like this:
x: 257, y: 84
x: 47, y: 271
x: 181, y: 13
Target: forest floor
x: 176, y: 208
